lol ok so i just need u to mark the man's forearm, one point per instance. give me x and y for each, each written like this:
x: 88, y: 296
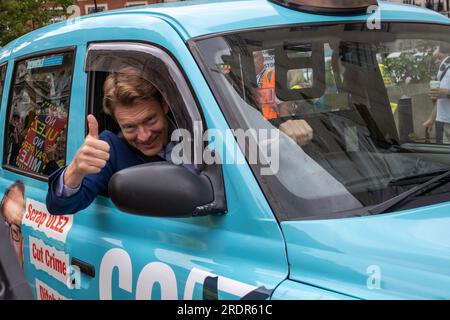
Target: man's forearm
x: 72, y: 179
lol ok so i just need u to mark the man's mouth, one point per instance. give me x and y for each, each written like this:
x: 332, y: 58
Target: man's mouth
x: 148, y: 144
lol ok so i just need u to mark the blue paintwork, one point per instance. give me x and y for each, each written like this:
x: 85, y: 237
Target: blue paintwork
x: 293, y: 290
x: 247, y: 245
x: 410, y: 251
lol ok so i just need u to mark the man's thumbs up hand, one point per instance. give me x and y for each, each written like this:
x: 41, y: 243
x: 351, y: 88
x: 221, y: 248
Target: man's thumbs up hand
x: 93, y: 126
x: 90, y: 158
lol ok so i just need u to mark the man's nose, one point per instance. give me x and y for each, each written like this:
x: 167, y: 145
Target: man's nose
x: 143, y: 134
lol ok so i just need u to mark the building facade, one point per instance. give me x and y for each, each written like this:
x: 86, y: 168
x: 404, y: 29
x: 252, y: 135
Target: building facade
x: 437, y: 5
x: 89, y: 6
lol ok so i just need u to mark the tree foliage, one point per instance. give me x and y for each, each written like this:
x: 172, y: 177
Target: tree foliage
x: 18, y: 17
x: 413, y: 67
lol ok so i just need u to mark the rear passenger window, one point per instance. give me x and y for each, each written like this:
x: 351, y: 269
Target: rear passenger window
x: 35, y: 138
x: 2, y: 80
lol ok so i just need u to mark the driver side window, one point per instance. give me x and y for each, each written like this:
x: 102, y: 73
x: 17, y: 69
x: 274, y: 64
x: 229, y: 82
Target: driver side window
x: 113, y: 71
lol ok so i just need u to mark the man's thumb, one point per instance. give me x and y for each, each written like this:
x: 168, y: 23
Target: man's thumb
x: 93, y: 126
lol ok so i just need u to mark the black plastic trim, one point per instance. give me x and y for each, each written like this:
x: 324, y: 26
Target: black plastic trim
x: 2, y: 93
x: 219, y: 205
x: 293, y: 25
x: 161, y: 189
x: 323, y: 10
x: 85, y: 267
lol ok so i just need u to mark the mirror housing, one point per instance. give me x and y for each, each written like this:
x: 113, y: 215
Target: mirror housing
x: 161, y: 189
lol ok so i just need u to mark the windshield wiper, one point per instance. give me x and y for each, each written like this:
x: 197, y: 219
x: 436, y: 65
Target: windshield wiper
x: 385, y: 206
x: 416, y: 178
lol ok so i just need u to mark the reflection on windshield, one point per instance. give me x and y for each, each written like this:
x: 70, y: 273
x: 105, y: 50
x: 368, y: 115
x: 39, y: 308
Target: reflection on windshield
x: 378, y: 106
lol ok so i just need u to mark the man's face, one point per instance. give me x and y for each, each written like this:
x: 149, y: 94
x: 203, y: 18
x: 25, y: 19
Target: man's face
x: 259, y: 61
x: 144, y: 125
x: 13, y: 208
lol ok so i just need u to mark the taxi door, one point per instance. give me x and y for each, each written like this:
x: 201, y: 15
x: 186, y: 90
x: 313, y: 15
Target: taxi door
x: 237, y: 254
x: 34, y: 117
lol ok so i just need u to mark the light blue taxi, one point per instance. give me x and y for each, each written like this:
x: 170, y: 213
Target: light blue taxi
x: 360, y: 211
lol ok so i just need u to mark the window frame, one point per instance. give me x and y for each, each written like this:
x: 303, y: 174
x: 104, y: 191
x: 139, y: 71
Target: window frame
x: 130, y: 4
x: 17, y: 60
x: 2, y: 92
x: 92, y: 6
x: 191, y: 107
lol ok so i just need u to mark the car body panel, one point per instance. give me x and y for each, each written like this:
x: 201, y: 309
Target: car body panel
x: 402, y: 255
x: 293, y: 290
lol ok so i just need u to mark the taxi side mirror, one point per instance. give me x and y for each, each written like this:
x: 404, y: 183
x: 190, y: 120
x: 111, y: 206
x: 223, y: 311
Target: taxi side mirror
x: 161, y: 189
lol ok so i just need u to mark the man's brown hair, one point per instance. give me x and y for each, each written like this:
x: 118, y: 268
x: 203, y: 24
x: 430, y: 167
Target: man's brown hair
x: 128, y: 87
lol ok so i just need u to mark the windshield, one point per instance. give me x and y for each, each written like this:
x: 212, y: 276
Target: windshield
x: 377, y: 102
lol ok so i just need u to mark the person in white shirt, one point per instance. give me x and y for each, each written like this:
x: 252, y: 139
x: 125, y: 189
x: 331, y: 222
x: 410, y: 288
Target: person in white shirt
x: 441, y: 112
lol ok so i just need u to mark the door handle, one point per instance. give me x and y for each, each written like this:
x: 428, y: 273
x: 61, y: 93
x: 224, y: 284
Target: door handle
x: 84, y: 267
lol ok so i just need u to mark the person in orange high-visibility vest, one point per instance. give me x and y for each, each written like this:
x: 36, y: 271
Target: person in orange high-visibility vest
x: 265, y: 77
x: 297, y: 130
x: 267, y: 94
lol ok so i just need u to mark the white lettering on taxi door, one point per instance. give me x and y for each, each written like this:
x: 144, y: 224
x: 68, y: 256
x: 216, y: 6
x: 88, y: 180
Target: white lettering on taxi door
x: 163, y: 274
x: 112, y: 259
x: 160, y: 273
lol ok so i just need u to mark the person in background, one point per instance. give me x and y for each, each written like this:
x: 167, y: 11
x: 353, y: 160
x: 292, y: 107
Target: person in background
x: 15, y: 138
x: 271, y: 108
x: 440, y: 115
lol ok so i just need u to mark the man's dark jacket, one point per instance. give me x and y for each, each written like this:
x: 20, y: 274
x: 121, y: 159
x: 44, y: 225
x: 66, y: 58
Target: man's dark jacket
x: 122, y: 156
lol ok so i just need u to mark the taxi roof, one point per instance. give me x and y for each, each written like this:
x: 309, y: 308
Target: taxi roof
x: 197, y: 18
x: 202, y: 17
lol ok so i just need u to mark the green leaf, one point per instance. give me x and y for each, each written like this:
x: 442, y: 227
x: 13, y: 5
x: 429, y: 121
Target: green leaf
x: 18, y: 17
